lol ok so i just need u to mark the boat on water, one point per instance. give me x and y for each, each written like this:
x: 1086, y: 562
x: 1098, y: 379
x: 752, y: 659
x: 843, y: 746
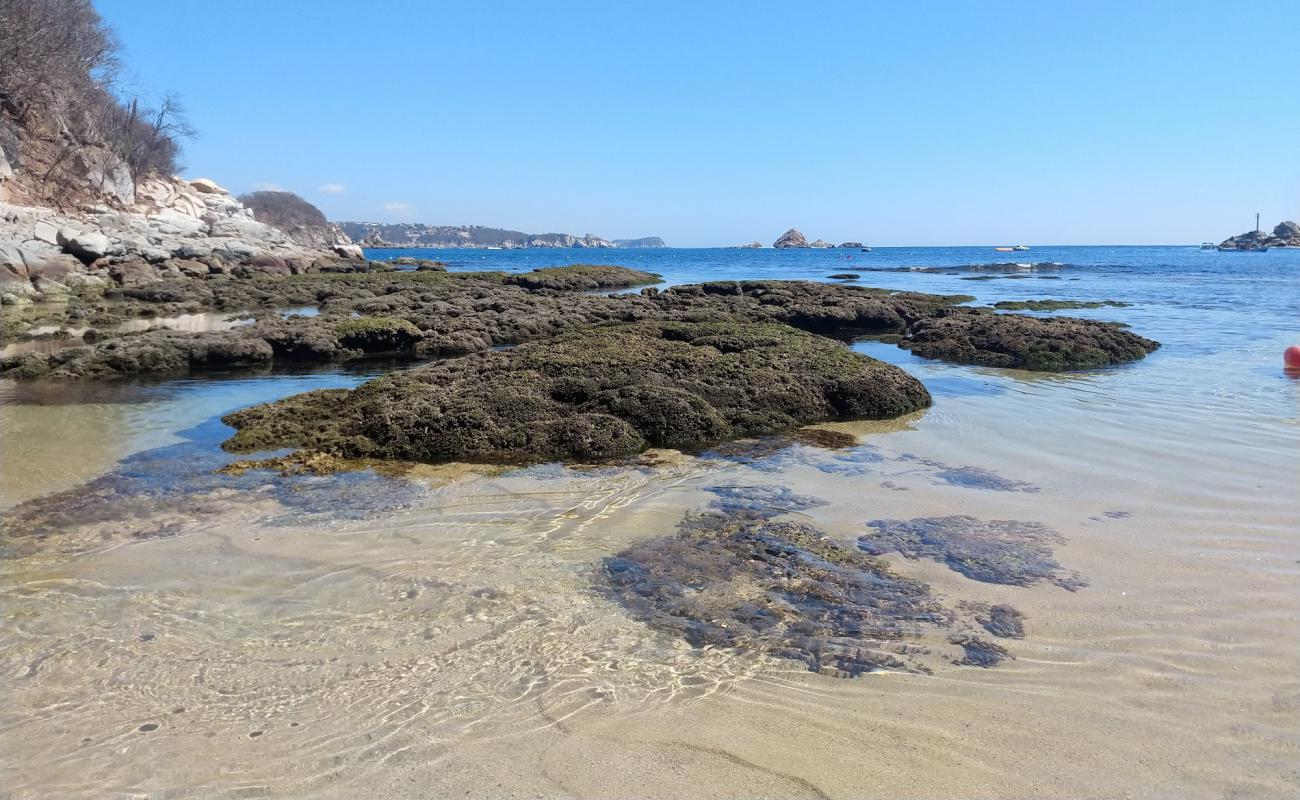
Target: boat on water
x: 1004, y: 249
x: 1209, y: 246
x: 866, y: 249
x: 1020, y: 248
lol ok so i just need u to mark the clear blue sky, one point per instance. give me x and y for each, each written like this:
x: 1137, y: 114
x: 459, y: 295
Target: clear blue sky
x: 715, y: 123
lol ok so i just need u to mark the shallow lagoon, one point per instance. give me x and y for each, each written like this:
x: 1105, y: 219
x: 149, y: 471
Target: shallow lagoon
x: 444, y: 630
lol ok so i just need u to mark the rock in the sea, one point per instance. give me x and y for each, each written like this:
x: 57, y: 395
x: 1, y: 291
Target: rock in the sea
x: 755, y: 245
x: 821, y: 244
x: 1287, y: 230
x: 582, y: 277
x: 593, y: 394
x: 791, y: 238
x: 978, y: 336
x: 858, y: 245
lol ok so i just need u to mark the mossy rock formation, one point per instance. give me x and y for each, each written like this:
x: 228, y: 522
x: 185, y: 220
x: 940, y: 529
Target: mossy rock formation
x: 979, y: 336
x: 594, y: 394
x: 582, y: 277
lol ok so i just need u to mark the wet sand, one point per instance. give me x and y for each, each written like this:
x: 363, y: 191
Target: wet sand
x: 457, y: 645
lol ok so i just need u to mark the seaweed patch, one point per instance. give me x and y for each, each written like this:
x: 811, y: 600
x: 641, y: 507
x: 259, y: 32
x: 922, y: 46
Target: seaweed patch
x: 775, y: 587
x: 993, y: 551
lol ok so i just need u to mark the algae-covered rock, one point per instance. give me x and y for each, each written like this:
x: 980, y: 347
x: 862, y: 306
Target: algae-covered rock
x: 377, y: 334
x: 1055, y: 305
x: 582, y: 277
x: 593, y: 394
x: 977, y: 336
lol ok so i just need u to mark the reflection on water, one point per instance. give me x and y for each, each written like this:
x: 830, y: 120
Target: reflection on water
x: 444, y: 632
x: 59, y: 434
x: 49, y: 338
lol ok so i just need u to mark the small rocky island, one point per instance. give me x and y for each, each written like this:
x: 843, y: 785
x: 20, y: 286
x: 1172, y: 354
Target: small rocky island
x: 794, y: 238
x: 1285, y: 234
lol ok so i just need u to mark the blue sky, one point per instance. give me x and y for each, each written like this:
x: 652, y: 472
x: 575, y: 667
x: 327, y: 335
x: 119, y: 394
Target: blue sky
x: 717, y: 123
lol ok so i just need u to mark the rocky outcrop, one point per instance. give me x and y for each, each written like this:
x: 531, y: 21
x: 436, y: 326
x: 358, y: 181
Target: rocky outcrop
x: 850, y: 245
x: 979, y: 336
x: 754, y: 245
x: 1285, y: 234
x: 791, y: 238
x: 173, y: 225
x: 594, y: 394
x: 821, y: 243
x: 463, y: 312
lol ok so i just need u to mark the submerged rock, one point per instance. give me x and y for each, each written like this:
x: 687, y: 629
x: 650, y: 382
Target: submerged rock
x: 979, y: 652
x: 1001, y: 620
x: 594, y: 394
x: 1055, y: 305
x: 778, y: 588
x: 992, y: 551
x: 976, y: 336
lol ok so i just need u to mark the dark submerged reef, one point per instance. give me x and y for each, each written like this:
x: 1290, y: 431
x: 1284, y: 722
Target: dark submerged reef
x: 737, y: 576
x: 774, y: 587
x: 1055, y: 305
x: 992, y: 551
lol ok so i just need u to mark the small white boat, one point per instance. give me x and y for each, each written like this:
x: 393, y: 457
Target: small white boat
x: 1020, y: 248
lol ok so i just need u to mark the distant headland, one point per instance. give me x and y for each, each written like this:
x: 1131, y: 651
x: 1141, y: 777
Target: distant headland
x: 418, y: 234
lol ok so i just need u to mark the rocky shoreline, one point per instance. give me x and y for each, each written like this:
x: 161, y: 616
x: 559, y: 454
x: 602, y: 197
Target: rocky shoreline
x: 590, y: 376
x: 175, y: 229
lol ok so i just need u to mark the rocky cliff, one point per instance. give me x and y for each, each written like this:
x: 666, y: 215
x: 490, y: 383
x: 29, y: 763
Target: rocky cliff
x: 418, y: 234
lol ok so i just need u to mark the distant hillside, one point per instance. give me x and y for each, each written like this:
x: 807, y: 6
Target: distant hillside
x: 418, y: 234
x: 303, y: 222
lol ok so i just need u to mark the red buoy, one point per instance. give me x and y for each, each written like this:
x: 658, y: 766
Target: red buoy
x: 1291, y: 358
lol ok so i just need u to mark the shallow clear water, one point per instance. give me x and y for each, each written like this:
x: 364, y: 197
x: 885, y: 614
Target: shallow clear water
x: 195, y: 634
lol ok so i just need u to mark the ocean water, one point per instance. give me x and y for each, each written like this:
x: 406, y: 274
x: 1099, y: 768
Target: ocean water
x: 167, y: 632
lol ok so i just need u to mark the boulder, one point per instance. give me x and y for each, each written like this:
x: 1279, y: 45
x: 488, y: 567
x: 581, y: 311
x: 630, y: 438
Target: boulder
x: 133, y: 272
x: 791, y: 238
x: 87, y: 246
x: 350, y: 251
x: 1287, y: 230
x: 207, y: 186
x: 14, y: 278
x: 50, y: 266
x: 190, y: 267
x: 47, y: 231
